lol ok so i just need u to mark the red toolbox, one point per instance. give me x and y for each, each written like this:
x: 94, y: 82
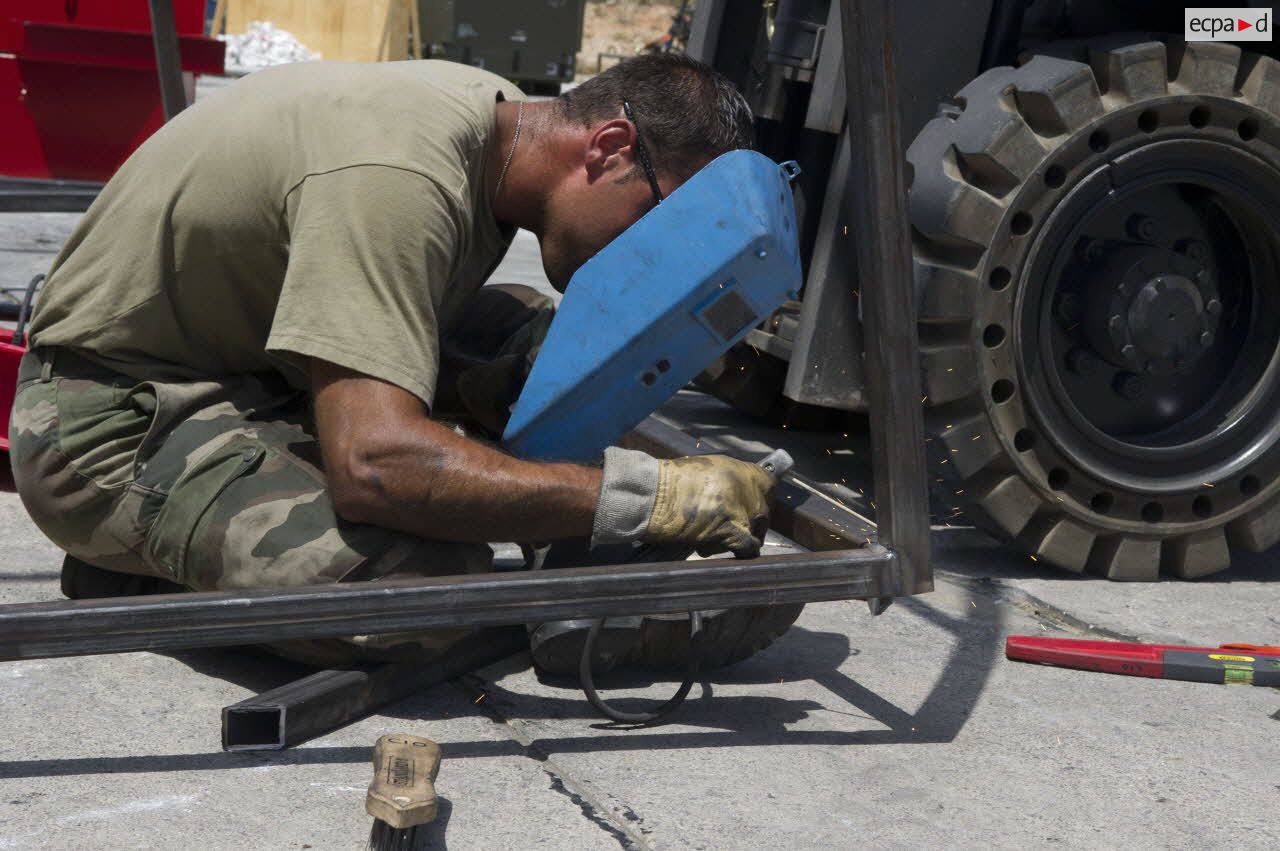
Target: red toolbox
x: 78, y: 84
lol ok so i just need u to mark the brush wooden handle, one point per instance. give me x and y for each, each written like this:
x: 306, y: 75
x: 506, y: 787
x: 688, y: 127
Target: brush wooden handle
x: 403, y: 792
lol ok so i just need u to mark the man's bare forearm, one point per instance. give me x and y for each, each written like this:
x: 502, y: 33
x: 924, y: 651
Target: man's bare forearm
x: 390, y: 465
x: 433, y: 482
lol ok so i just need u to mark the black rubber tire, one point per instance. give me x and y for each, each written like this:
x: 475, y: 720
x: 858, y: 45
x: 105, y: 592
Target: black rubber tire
x: 980, y: 191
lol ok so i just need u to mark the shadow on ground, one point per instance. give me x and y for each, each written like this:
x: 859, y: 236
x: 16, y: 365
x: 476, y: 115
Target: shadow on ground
x: 725, y: 721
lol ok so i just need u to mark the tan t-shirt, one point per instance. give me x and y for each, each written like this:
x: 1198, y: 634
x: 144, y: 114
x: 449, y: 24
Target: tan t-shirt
x: 325, y: 210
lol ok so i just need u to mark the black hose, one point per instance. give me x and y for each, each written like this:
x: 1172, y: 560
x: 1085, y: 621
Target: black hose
x: 24, y: 311
x: 691, y: 674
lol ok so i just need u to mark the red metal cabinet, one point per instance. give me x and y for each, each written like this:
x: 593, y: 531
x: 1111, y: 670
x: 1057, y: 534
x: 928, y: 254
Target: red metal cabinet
x: 78, y: 86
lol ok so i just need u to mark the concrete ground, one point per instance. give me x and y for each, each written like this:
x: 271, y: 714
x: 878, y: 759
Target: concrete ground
x: 904, y: 731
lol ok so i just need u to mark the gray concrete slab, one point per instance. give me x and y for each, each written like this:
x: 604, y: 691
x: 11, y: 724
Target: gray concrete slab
x: 907, y: 730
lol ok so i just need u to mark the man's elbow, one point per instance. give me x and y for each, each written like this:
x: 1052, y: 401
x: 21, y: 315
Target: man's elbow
x: 358, y: 488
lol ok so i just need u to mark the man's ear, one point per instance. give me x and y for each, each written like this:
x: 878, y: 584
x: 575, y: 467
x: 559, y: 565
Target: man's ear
x: 611, y: 148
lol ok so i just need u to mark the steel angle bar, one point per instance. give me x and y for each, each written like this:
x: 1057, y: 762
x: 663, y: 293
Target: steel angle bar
x: 255, y: 616
x: 327, y: 700
x: 803, y: 509
x: 164, y: 35
x: 879, y: 243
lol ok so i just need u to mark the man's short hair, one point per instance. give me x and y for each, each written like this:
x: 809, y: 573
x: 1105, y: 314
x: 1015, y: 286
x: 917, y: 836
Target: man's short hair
x: 687, y: 112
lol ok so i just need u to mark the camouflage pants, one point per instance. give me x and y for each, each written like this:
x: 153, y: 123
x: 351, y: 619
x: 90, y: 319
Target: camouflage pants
x: 213, y: 484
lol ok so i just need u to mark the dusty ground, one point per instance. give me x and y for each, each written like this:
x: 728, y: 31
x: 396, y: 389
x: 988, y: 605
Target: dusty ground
x: 621, y: 27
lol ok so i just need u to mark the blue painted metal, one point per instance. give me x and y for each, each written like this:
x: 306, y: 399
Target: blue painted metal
x: 658, y: 304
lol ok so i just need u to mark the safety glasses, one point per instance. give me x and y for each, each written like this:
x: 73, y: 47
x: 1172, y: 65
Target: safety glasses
x: 643, y: 153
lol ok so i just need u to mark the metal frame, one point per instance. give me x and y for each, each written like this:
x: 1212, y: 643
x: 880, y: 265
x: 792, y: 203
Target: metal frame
x: 898, y: 564
x: 229, y: 618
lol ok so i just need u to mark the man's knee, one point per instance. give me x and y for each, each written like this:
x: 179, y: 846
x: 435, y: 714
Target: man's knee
x: 260, y: 515
x: 77, y: 494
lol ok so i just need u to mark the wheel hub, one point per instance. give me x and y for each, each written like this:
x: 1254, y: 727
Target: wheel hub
x: 1156, y: 311
x: 1152, y: 346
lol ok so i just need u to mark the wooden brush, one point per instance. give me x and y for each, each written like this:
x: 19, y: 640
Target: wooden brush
x: 402, y: 796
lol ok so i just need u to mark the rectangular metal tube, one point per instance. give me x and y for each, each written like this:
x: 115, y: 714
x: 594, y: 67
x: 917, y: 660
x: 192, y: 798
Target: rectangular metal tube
x: 327, y: 700
x: 880, y: 245
x: 224, y: 618
x: 24, y: 195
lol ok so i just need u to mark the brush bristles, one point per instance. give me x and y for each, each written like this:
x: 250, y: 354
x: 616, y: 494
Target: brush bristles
x: 384, y: 837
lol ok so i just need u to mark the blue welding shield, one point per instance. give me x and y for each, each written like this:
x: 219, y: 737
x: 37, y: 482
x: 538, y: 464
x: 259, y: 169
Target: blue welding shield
x: 658, y: 304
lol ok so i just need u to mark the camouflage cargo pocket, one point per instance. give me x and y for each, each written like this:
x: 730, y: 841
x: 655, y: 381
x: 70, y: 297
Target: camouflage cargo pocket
x: 191, y: 499
x: 99, y: 428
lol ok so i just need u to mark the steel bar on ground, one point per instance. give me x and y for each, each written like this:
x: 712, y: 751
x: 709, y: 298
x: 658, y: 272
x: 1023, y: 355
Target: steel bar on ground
x: 164, y: 33
x: 255, y: 616
x: 26, y: 195
x: 801, y: 508
x: 327, y: 700
x: 880, y: 242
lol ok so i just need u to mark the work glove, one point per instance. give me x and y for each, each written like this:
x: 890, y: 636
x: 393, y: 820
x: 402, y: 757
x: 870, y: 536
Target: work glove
x: 711, y: 502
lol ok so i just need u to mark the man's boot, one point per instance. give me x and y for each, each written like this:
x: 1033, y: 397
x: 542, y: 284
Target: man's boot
x: 659, y: 642
x: 83, y: 581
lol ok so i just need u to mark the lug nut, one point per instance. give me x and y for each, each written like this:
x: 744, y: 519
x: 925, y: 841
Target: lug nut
x: 1129, y: 386
x: 1090, y: 249
x: 1143, y: 227
x: 1214, y: 307
x: 1206, y: 339
x: 1070, y: 307
x: 1081, y: 361
x: 1195, y: 249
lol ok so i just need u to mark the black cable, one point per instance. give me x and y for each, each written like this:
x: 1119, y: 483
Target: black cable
x: 691, y: 674
x: 24, y: 312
